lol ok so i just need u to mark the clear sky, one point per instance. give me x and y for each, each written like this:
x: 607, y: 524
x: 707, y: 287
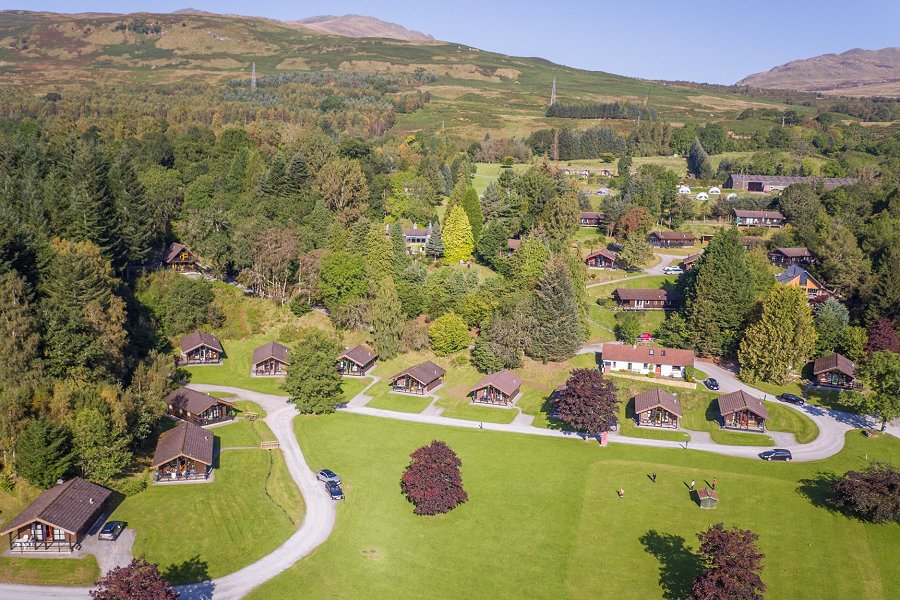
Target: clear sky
x: 697, y: 40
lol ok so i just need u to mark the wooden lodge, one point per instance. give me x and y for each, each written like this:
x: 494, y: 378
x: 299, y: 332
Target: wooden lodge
x: 419, y: 379
x: 501, y: 387
x: 602, y: 259
x: 774, y: 183
x: 356, y: 361
x: 198, y: 408
x: 671, y: 239
x: 179, y: 258
x: 200, y: 348
x: 740, y: 410
x: 59, y: 518
x: 797, y: 276
x: 657, y: 408
x: 183, y: 453
x: 644, y: 299
x: 758, y: 218
x: 270, y: 360
x: 688, y: 262
x: 591, y: 218
x: 785, y: 257
x: 835, y: 370
x: 661, y: 362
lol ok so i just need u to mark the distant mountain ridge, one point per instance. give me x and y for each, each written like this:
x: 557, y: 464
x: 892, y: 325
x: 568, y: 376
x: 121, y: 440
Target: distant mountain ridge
x: 856, y: 72
x: 361, y: 26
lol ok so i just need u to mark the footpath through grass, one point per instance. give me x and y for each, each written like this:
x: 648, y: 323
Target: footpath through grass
x: 49, y: 571
x: 559, y: 496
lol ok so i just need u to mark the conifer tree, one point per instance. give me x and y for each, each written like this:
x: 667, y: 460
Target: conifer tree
x: 698, y: 161
x: 557, y: 331
x: 472, y: 205
x: 781, y: 340
x: 719, y: 297
x: 398, y: 249
x: 91, y: 214
x: 19, y: 337
x: 134, y: 212
x: 42, y: 453
x: 831, y: 319
x: 312, y: 381
x: 387, y: 319
x: 435, y: 245
x: 458, y: 241
x: 379, y: 255
x: 560, y: 218
x: 530, y: 259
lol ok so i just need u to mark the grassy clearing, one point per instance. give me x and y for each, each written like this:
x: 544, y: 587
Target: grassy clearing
x: 559, y: 495
x: 485, y: 173
x: 235, y: 368
x: 50, y: 571
x: 400, y: 402
x: 651, y: 282
x: 783, y: 418
x: 243, y: 433
x: 217, y: 527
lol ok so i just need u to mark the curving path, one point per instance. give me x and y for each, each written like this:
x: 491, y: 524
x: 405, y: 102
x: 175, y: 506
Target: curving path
x: 318, y: 521
x: 656, y: 269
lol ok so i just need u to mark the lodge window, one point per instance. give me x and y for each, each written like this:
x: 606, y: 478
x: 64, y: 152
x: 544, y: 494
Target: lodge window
x: 37, y: 531
x: 59, y: 535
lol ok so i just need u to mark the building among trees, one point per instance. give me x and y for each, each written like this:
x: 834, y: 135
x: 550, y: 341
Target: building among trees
x: 758, y: 218
x: 590, y: 218
x: 183, y: 453
x: 662, y: 362
x: 198, y: 408
x: 657, y: 408
x: 671, y: 239
x: 501, y: 387
x: 271, y: 360
x: 644, y: 299
x: 602, y: 259
x: 835, y: 370
x: 797, y: 276
x: 200, y: 348
x: 416, y: 238
x: 420, y: 379
x: 785, y: 257
x: 740, y: 410
x: 688, y: 262
x: 179, y: 258
x: 356, y: 361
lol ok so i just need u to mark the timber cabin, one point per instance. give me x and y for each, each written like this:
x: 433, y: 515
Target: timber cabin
x: 671, y: 239
x: 740, y: 410
x: 356, y: 361
x: 785, y: 257
x: 797, y: 276
x: 198, y: 408
x: 775, y: 183
x: 270, y: 360
x: 835, y: 370
x: 661, y: 362
x: 59, y: 518
x: 657, y: 408
x: 591, y: 218
x: 183, y: 453
x: 688, y: 262
x: 501, y: 387
x: 602, y: 259
x: 177, y: 257
x: 644, y: 299
x: 758, y: 218
x: 200, y: 348
x: 420, y: 379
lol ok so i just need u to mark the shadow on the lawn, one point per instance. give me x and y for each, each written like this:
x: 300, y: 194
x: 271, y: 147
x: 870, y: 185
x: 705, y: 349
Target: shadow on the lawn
x: 678, y: 565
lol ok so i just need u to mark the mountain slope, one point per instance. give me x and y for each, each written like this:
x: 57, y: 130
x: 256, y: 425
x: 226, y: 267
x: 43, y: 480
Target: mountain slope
x: 357, y: 26
x: 853, y: 73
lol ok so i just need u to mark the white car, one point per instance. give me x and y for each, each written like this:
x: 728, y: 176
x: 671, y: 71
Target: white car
x: 673, y: 270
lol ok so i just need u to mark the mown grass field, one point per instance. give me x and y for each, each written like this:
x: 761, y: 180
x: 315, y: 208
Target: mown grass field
x: 49, y: 571
x: 544, y: 521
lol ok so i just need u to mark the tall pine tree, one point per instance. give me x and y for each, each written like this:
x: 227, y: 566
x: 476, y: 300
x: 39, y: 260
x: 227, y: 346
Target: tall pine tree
x: 42, y: 453
x: 458, y: 241
x: 557, y: 330
x: 387, y: 319
x: 435, y: 245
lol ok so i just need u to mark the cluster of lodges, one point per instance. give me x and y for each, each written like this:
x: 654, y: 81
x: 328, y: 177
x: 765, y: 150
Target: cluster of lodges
x: 737, y: 410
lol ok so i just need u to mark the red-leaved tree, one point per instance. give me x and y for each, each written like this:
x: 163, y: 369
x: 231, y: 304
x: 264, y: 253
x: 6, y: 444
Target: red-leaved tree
x: 588, y: 402
x: 882, y: 336
x: 138, y: 580
x: 733, y: 564
x: 873, y: 493
x: 432, y: 480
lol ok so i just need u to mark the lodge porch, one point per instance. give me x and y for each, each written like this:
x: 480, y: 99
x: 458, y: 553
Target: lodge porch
x: 201, y: 356
x: 182, y: 469
x: 491, y: 395
x: 345, y: 366
x: 408, y: 385
x: 270, y: 368
x: 836, y: 379
x: 657, y: 417
x: 744, y: 420
x: 40, y: 537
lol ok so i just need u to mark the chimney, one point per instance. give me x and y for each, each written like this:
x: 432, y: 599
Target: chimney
x: 663, y: 352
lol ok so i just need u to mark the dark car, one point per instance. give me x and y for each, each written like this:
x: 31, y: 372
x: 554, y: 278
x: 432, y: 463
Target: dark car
x: 334, y: 490
x: 792, y: 398
x: 711, y: 384
x: 111, y: 531
x: 777, y: 454
x: 328, y: 475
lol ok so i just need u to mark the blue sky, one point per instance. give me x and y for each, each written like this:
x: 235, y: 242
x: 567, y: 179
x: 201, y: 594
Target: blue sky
x: 697, y: 40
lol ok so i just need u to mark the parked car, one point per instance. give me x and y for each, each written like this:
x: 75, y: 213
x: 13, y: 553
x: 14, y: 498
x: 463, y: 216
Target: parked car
x: 328, y: 475
x: 792, y: 398
x: 777, y: 454
x: 646, y: 337
x: 673, y: 270
x: 334, y: 490
x: 711, y: 384
x: 111, y: 531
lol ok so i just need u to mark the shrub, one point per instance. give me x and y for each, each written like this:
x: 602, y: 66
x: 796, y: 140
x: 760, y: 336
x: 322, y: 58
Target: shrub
x: 299, y: 307
x: 414, y: 336
x: 448, y: 334
x: 131, y: 486
x: 432, y: 481
x: 690, y: 373
x: 873, y: 493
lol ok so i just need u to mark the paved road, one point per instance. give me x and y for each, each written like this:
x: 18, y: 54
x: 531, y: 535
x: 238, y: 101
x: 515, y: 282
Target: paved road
x: 656, y: 269
x: 316, y: 527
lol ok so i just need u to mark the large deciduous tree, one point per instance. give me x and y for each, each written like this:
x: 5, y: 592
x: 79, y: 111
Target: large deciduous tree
x: 831, y: 319
x: 100, y: 449
x: 781, y: 340
x: 588, y: 402
x: 448, y: 334
x: 558, y: 330
x: 274, y: 255
x: 432, y: 481
x: 312, y: 380
x: 42, y: 453
x: 882, y: 336
x: 343, y: 186
x: 458, y: 240
x: 342, y: 279
x: 873, y: 493
x: 636, y: 253
x: 880, y: 373
x: 732, y: 564
x: 138, y: 580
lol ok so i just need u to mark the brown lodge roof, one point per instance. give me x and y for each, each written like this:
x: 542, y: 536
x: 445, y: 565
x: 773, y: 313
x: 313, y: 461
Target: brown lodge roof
x: 690, y: 259
x: 200, y: 338
x: 794, y: 252
x: 505, y: 381
x: 835, y: 362
x: 676, y: 236
x: 513, y: 244
x: 657, y: 398
x: 173, y: 251
x: 759, y: 214
x: 361, y: 355
x: 741, y: 400
x: 192, y: 401
x: 424, y: 373
x: 69, y: 506
x: 607, y: 254
x: 186, y: 439
x: 271, y: 350
x: 591, y: 214
x: 643, y: 294
x: 643, y: 354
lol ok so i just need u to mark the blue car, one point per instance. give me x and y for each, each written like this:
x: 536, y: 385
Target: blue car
x: 334, y: 490
x: 711, y: 384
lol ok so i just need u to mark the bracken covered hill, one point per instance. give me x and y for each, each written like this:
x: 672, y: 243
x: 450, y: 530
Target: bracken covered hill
x: 361, y: 26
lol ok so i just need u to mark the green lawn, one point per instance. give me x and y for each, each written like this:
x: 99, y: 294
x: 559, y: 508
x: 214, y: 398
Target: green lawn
x: 784, y: 418
x: 387, y: 400
x: 235, y: 368
x: 195, y: 531
x: 543, y: 520
x: 243, y: 433
x: 49, y: 571
x: 817, y: 396
x: 488, y: 414
x: 354, y: 385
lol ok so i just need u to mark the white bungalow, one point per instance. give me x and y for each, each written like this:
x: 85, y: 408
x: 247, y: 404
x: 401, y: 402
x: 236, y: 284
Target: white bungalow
x: 661, y: 362
x: 714, y: 191
x: 702, y: 196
